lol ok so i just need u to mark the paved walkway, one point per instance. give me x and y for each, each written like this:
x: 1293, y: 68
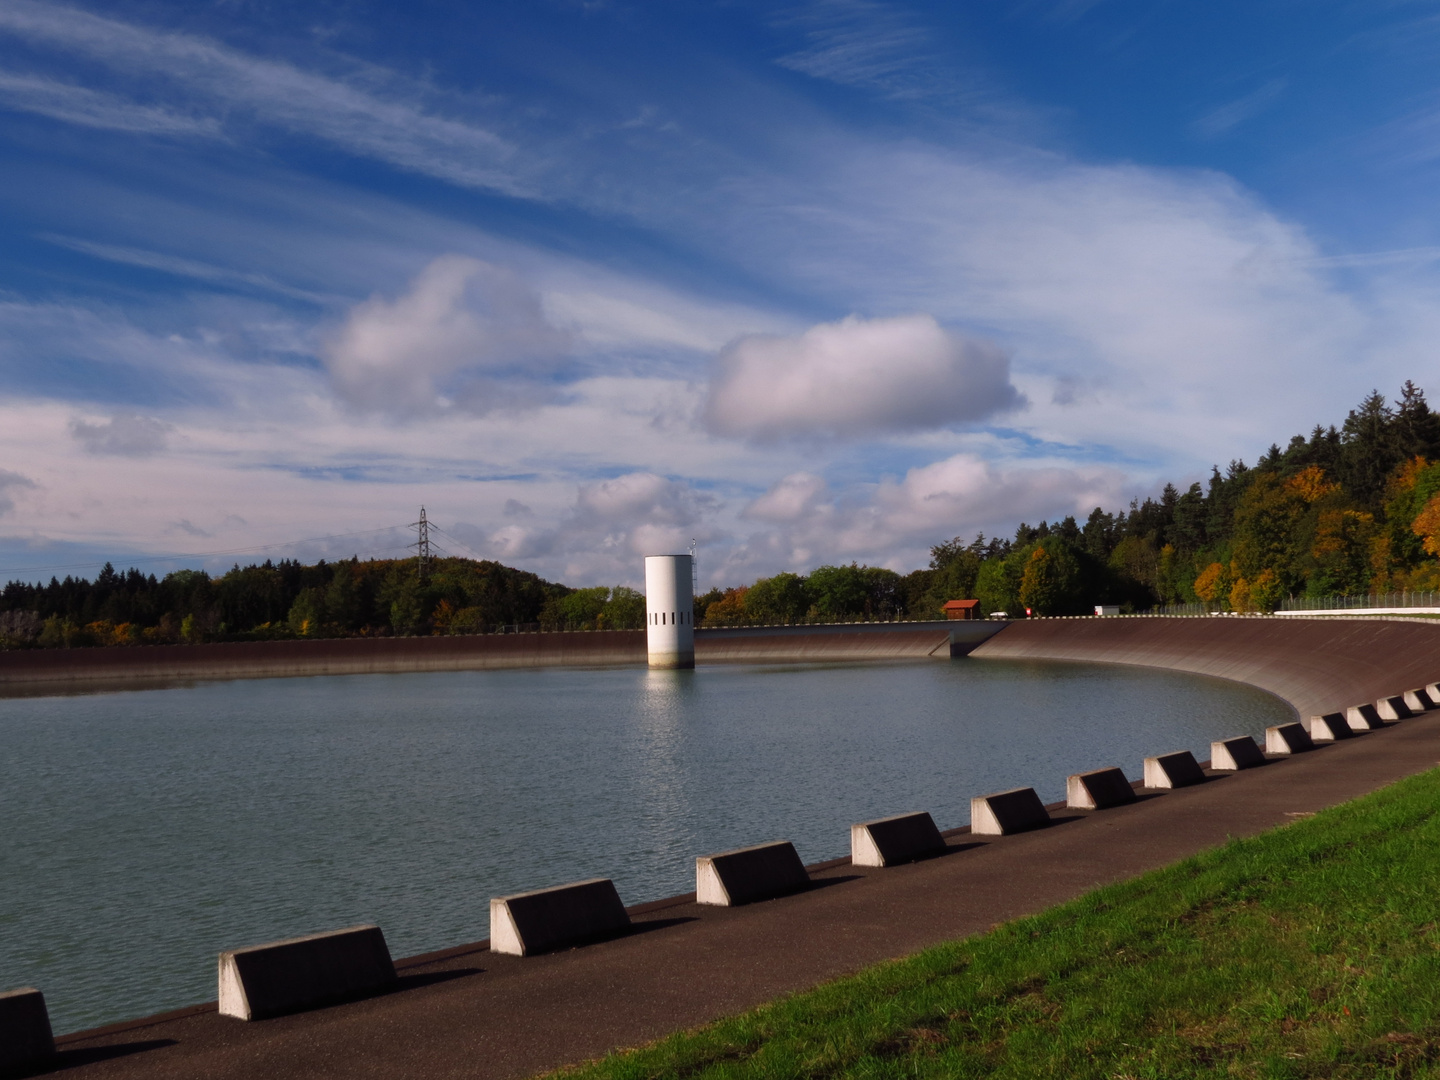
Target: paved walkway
x: 474, y: 1014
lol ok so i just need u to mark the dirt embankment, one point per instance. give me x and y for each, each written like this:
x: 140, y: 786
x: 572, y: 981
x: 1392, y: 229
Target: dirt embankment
x: 1317, y: 665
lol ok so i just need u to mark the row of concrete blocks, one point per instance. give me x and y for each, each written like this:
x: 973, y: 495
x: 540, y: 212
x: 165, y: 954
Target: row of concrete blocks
x: 287, y: 976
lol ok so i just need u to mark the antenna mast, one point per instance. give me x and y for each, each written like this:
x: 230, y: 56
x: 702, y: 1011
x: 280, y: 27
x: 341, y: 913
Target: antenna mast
x: 422, y: 546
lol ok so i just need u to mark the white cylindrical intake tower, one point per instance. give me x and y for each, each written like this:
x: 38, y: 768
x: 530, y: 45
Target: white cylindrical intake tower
x: 669, y: 611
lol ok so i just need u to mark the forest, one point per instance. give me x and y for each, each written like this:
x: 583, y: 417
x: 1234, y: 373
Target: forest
x: 1348, y: 510
x: 379, y: 597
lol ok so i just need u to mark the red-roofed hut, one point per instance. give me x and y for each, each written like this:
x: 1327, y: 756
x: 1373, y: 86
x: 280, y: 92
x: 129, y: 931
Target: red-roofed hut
x: 961, y: 609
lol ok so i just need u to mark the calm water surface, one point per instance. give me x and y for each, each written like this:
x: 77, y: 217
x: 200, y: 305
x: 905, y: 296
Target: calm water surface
x: 145, y: 831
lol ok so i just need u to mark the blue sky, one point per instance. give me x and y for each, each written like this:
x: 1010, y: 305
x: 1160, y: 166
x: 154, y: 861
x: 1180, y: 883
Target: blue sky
x: 808, y: 283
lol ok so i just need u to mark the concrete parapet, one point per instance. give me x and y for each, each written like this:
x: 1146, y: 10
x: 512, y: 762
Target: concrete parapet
x: 1229, y: 755
x: 1098, y: 789
x: 1418, y: 701
x: 1005, y: 812
x: 1288, y: 739
x: 746, y: 875
x: 1393, y: 708
x: 1311, y: 663
x: 893, y: 840
x: 299, y: 973
x: 1179, y: 769
x: 26, y: 1041
x: 1363, y: 718
x: 534, y: 922
x: 1334, y: 726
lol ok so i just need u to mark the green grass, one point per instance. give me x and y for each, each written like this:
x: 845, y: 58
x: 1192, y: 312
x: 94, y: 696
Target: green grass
x: 1309, y: 951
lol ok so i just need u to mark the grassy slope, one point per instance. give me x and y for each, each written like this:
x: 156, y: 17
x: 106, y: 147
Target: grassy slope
x: 1311, y: 950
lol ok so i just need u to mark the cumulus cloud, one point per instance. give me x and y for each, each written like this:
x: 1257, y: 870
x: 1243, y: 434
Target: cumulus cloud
x: 10, y: 481
x: 606, y: 532
x: 468, y: 334
x: 123, y: 435
x: 791, y: 499
x: 896, y: 522
x: 967, y: 493
x: 855, y: 378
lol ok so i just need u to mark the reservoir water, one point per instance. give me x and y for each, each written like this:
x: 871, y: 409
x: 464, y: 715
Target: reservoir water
x: 145, y: 831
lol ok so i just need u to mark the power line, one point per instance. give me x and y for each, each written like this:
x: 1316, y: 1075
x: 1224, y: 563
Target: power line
x: 451, y: 536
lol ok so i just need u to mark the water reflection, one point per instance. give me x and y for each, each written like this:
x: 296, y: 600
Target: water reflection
x: 661, y: 794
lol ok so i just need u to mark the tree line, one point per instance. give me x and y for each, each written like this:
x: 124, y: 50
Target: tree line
x: 289, y: 599
x: 1346, y: 510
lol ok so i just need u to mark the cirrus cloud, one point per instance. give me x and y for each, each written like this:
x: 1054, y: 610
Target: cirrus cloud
x: 855, y: 378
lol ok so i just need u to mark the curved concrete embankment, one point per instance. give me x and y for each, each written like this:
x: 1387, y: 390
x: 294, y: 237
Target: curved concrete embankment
x: 341, y: 656
x: 40, y: 668
x: 839, y: 643
x: 1317, y: 665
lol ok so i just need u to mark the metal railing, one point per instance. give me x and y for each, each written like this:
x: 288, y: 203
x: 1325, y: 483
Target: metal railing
x: 1370, y: 600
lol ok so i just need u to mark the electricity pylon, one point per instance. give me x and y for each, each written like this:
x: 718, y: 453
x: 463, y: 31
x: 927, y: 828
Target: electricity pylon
x: 422, y: 546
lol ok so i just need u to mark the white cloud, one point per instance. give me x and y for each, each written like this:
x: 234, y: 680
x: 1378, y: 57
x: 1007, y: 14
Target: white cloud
x: 856, y: 378
x: 864, y: 44
x: 1221, y: 120
x: 11, y: 482
x: 603, y: 536
x: 966, y: 493
x: 468, y: 333
x: 235, y: 86
x: 90, y: 108
x: 124, y: 434
x: 791, y: 499
x: 182, y: 267
x: 1191, y: 311
x: 895, y: 522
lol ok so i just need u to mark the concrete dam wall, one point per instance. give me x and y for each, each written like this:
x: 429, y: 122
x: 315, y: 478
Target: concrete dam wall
x: 1318, y: 665
x: 103, y: 667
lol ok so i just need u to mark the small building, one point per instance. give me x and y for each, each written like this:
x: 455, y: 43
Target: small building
x: 1107, y: 609
x: 961, y: 609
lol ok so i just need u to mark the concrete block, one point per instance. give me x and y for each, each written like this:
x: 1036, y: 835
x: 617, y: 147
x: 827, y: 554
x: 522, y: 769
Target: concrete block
x: 1432, y: 691
x: 1229, y: 755
x: 1098, y: 789
x: 535, y: 922
x: 1331, y: 726
x: 1393, y: 708
x: 1363, y: 718
x: 894, y: 840
x: 1006, y: 812
x: 1417, y: 701
x: 1179, y: 769
x: 746, y: 875
x: 1288, y: 739
x: 300, y: 973
x: 26, y: 1041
